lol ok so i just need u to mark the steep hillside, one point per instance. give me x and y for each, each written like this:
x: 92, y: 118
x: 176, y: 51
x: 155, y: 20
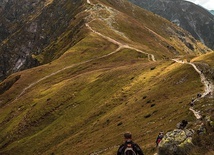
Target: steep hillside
x: 28, y: 38
x: 193, y: 18
x: 117, y: 75
x: 212, y: 12
x: 36, y: 32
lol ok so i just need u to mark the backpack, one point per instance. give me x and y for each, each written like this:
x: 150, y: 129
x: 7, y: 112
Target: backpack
x: 129, y: 150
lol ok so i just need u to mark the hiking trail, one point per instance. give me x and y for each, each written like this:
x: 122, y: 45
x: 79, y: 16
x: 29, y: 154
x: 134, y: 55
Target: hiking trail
x: 88, y: 1
x: 120, y: 46
x: 68, y: 67
x: 108, y: 21
x: 208, y: 86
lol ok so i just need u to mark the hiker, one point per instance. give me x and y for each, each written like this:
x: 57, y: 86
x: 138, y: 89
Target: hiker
x: 199, y: 95
x: 182, y: 124
x: 159, y: 138
x: 191, y: 103
x: 202, y: 129
x: 129, y: 147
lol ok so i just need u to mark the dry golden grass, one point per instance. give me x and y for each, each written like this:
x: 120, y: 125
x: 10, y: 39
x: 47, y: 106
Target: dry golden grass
x: 82, y: 102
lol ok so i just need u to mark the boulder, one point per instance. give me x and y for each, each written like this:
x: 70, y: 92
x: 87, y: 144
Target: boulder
x: 176, y: 142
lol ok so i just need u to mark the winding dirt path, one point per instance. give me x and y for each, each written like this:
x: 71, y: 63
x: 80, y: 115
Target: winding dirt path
x: 63, y: 69
x: 196, y: 113
x: 88, y: 1
x: 122, y: 46
x: 150, y: 56
x: 208, y: 86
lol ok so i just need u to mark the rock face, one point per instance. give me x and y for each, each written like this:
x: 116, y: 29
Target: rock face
x: 193, y: 18
x: 176, y: 142
x: 29, y: 28
x: 212, y: 12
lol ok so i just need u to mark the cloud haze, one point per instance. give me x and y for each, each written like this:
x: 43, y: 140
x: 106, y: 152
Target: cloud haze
x: 208, y: 4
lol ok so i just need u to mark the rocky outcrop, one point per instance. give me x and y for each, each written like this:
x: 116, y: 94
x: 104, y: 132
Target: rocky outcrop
x: 14, y: 13
x: 31, y: 28
x: 176, y: 142
x: 193, y: 18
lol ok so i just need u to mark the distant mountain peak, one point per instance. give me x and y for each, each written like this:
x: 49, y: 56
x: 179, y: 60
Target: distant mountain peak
x: 191, y: 17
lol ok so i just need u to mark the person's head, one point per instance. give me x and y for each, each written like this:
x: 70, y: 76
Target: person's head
x: 161, y: 133
x: 127, y: 136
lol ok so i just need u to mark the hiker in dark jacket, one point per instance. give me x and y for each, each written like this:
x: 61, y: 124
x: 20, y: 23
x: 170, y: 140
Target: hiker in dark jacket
x: 159, y: 138
x: 129, y: 146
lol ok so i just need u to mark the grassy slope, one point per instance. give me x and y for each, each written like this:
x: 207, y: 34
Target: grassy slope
x: 83, y: 108
x: 97, y: 96
x: 88, y: 106
x: 159, y: 35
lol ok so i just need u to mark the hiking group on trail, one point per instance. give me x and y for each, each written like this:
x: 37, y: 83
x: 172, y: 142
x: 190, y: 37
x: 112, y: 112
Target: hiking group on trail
x: 129, y: 147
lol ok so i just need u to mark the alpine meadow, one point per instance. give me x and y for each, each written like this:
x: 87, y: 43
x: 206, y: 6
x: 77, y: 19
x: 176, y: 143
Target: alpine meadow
x: 77, y: 74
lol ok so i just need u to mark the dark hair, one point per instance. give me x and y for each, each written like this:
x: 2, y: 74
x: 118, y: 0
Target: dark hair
x: 127, y: 135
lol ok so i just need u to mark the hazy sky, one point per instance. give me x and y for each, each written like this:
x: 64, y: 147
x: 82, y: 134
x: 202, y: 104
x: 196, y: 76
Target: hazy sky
x: 208, y: 4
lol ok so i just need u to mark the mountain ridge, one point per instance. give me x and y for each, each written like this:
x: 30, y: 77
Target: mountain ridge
x: 185, y: 14
x: 42, y: 46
